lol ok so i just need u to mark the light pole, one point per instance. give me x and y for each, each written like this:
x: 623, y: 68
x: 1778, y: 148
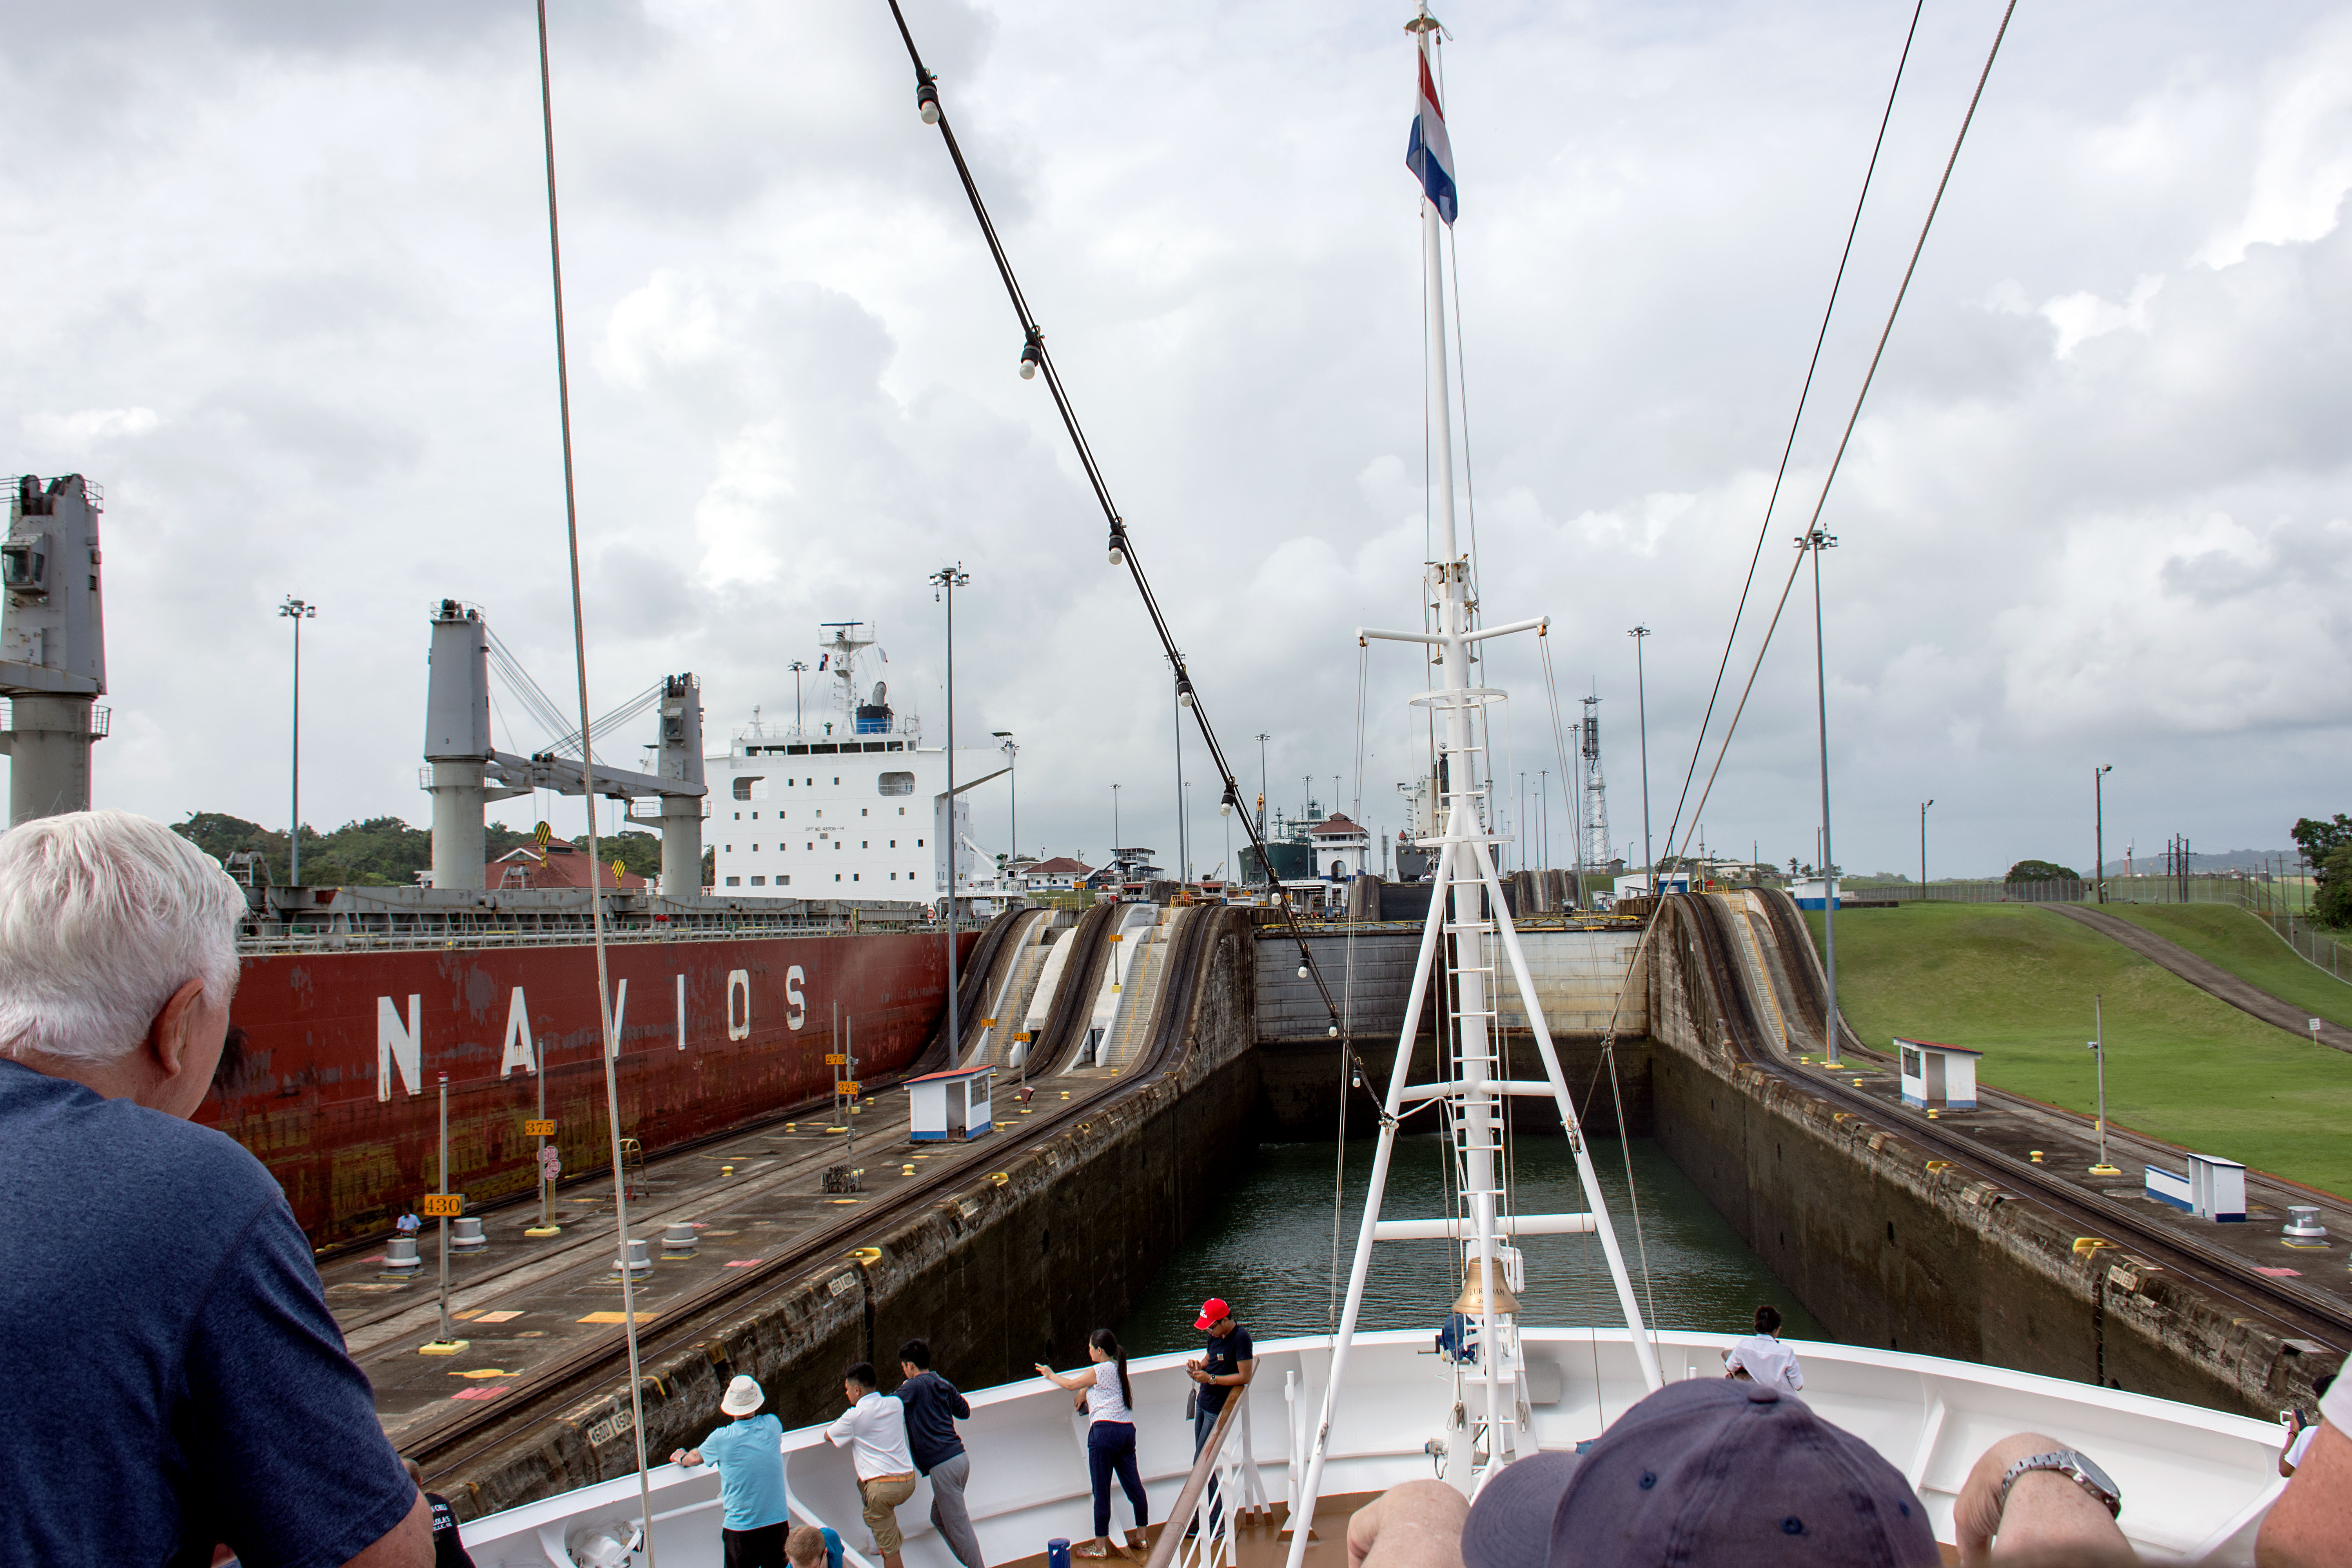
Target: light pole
x: 796, y: 667
x: 1262, y: 737
x: 1180, y: 700
x: 1923, y: 847
x: 298, y: 612
x: 2099, y: 1052
x: 1642, y: 699
x: 1012, y: 794
x: 1543, y: 814
x: 1816, y: 541
x: 945, y: 582
x: 1114, y: 829
x: 2099, y: 840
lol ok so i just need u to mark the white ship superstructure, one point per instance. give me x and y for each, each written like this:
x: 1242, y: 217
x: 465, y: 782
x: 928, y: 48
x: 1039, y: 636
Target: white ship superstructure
x: 848, y: 801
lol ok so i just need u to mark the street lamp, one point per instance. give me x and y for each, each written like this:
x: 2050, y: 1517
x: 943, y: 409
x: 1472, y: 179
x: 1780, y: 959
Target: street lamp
x: 298, y: 612
x: 1816, y: 541
x: 1923, y: 847
x: 1642, y: 698
x: 945, y: 582
x: 1114, y: 829
x: 1013, y: 792
x: 2099, y: 838
x: 797, y: 666
x: 2099, y: 1052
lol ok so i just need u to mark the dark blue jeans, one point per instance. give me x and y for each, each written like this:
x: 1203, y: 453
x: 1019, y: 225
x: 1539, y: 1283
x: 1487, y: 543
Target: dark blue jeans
x: 1110, y: 1445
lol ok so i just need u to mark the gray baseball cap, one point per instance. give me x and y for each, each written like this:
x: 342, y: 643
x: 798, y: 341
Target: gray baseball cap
x: 1705, y: 1472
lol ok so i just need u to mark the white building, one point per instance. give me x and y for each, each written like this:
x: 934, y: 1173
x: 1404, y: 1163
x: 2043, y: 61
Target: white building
x: 1341, y: 848
x: 850, y: 804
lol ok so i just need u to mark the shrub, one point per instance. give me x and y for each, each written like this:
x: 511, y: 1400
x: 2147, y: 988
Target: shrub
x: 2042, y: 871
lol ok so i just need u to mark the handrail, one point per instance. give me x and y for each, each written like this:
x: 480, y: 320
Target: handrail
x: 1188, y: 1502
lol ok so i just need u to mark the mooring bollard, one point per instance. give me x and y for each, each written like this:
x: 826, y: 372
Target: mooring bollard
x: 679, y: 1238
x: 400, y: 1256
x: 638, y: 1260
x: 2303, y: 1227
x: 465, y: 1236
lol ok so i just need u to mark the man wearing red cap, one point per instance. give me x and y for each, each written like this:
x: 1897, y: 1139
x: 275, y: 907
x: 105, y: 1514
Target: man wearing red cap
x: 1229, y: 1362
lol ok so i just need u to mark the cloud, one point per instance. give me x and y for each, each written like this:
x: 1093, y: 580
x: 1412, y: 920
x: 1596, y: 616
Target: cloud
x: 283, y: 287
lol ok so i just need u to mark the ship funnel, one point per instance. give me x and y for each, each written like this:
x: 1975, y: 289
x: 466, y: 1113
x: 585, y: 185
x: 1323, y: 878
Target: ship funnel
x: 680, y: 760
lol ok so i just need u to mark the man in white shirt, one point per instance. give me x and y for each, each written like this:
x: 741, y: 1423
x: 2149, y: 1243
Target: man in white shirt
x: 874, y: 1429
x: 1761, y: 1356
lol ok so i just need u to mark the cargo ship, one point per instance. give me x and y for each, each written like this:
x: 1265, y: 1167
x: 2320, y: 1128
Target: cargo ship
x: 357, y: 1003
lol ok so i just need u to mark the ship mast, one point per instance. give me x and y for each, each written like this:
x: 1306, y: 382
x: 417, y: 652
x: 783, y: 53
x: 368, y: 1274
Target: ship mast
x: 1468, y: 921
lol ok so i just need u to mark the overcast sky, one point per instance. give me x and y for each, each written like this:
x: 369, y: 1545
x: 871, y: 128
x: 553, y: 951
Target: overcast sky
x: 278, y: 278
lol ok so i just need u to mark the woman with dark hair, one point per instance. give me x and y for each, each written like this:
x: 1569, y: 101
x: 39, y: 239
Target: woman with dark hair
x: 1109, y: 1405
x: 1760, y: 1357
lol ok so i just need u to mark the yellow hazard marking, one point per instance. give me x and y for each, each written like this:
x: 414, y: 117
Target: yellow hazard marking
x: 497, y: 1317
x: 614, y: 1318
x: 485, y: 1372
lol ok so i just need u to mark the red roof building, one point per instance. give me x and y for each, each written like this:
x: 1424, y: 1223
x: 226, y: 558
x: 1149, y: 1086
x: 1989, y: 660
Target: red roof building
x: 563, y: 866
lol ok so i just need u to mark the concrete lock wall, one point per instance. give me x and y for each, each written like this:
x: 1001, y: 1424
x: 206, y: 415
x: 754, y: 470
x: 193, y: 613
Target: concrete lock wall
x: 996, y: 1274
x: 1889, y: 1245
x: 1580, y: 982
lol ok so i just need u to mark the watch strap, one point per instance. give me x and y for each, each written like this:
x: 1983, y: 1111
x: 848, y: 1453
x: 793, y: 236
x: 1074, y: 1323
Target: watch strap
x: 2069, y: 1463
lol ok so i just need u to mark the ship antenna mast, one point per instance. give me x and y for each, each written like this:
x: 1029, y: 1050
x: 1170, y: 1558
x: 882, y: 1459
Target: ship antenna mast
x: 1034, y: 361
x: 1468, y: 921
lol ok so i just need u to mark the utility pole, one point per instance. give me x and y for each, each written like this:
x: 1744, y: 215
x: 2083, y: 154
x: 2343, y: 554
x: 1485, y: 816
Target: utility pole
x: 1817, y: 540
x: 1923, y: 847
x: 1262, y: 739
x: 298, y: 612
x: 947, y: 580
x: 1642, y: 700
x: 1114, y: 829
x: 2099, y: 841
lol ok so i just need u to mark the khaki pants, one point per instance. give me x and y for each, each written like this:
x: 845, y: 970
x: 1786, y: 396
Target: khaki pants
x: 881, y: 1496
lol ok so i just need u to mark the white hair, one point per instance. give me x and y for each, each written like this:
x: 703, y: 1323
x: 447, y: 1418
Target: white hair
x: 104, y: 915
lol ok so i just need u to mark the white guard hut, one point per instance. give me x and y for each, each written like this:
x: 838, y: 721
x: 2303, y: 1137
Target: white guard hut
x: 1944, y: 1076
x: 950, y: 1107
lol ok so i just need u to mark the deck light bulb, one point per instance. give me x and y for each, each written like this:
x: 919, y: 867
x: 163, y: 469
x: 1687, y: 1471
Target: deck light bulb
x: 1184, y: 694
x: 1225, y: 808
x: 927, y: 98
x: 1031, y: 353
x: 1333, y: 1031
x: 1302, y: 971
x: 1117, y: 549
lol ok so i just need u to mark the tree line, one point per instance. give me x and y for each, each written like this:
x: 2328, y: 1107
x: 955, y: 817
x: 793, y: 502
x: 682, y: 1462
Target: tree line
x: 382, y: 851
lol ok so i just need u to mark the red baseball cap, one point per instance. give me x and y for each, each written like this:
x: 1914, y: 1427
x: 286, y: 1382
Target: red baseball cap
x: 1213, y: 1311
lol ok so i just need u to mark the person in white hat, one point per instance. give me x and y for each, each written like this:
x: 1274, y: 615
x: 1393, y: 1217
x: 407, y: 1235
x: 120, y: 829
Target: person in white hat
x: 749, y: 1453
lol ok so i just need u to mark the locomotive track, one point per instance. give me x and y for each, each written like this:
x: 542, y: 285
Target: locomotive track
x: 446, y: 1445
x: 2307, y: 1313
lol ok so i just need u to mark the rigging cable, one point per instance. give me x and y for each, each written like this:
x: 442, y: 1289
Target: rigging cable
x: 1036, y: 359
x: 1813, y: 366
x: 1830, y: 478
x: 606, y: 1032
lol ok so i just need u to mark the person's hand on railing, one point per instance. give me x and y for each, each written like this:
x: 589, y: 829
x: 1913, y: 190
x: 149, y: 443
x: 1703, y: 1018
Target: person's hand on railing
x: 1415, y: 1525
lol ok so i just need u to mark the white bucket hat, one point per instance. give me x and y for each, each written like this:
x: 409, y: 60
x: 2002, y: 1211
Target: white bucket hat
x: 743, y: 1396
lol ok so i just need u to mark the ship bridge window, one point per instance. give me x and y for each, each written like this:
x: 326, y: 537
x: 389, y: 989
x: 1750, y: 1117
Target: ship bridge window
x: 900, y: 783
x: 752, y: 788
x: 796, y: 751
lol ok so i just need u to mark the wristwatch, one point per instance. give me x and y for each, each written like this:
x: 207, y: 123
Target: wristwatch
x: 2067, y: 1462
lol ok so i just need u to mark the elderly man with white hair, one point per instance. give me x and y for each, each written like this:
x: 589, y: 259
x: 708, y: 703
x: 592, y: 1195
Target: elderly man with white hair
x: 176, y: 1384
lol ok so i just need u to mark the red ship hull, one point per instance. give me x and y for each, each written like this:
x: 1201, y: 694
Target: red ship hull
x: 339, y: 1096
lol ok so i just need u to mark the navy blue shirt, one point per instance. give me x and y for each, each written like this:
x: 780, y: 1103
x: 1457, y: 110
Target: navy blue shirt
x: 1226, y: 1353
x: 176, y: 1380
x: 932, y: 1405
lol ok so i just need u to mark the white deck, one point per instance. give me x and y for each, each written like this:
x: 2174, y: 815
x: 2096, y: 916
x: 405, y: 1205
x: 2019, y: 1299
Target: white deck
x: 2195, y: 1481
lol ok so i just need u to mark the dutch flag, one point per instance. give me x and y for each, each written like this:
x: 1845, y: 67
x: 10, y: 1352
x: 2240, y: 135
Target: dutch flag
x: 1429, y: 155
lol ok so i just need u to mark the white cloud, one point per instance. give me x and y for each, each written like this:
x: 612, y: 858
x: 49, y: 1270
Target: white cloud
x: 2305, y: 166
x: 85, y: 427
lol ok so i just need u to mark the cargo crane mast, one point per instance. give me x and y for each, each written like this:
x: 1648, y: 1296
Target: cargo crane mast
x: 52, y: 645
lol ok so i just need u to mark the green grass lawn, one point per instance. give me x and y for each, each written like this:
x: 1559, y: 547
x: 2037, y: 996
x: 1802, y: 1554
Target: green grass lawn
x: 2016, y: 984
x: 2247, y: 949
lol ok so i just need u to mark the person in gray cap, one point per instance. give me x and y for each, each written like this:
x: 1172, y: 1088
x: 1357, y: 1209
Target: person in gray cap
x: 1707, y: 1471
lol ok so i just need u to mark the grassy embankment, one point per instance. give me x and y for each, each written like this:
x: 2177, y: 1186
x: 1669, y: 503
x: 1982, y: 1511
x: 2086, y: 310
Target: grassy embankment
x: 2247, y: 949
x: 2016, y: 984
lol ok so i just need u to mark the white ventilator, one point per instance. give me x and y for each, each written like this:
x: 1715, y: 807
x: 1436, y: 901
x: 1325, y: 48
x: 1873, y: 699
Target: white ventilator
x: 1468, y: 921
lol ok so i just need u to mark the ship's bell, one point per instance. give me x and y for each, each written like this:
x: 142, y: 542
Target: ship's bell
x: 1471, y: 1302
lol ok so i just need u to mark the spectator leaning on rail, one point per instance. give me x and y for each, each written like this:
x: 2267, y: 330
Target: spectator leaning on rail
x: 874, y: 1428
x: 1760, y: 1357
x: 749, y: 1453
x: 179, y: 1383
x: 933, y: 1405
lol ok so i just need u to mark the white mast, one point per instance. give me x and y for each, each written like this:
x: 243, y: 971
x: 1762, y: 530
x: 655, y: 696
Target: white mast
x: 1464, y: 882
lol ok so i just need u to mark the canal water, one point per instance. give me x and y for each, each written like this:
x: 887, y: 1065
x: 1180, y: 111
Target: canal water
x: 1266, y: 1247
